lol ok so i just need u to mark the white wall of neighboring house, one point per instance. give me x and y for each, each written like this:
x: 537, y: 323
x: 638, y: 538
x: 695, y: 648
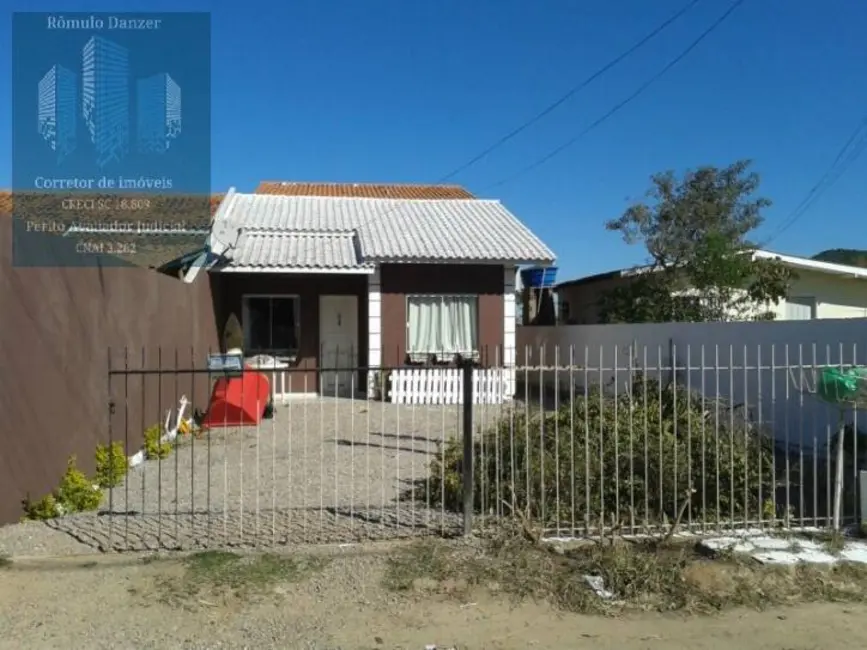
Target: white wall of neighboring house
x: 830, y: 296
x: 772, y: 367
x: 819, y: 291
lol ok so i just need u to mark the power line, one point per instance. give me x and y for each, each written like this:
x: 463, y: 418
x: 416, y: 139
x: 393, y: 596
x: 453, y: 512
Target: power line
x: 571, y: 92
x: 851, y: 150
x: 671, y: 64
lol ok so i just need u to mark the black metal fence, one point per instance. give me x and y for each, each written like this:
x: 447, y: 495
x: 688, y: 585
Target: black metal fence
x: 267, y: 457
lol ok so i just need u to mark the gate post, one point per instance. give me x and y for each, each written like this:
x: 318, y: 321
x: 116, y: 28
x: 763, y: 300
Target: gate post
x: 467, y: 463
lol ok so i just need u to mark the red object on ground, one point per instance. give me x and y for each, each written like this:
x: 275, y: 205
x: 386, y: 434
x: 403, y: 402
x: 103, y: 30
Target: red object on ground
x: 238, y: 401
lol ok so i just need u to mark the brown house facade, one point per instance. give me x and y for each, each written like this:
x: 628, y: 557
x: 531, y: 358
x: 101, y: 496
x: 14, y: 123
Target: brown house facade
x: 344, y: 277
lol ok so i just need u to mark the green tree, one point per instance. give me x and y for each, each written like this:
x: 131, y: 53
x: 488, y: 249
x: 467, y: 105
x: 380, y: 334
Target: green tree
x: 696, y: 230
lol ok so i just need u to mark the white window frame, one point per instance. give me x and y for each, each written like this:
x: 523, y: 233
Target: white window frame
x: 423, y: 356
x: 245, y: 323
x: 804, y: 301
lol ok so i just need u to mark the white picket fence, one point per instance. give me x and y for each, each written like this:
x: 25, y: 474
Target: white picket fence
x: 446, y: 386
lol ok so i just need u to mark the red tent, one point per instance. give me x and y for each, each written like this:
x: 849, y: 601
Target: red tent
x: 238, y: 401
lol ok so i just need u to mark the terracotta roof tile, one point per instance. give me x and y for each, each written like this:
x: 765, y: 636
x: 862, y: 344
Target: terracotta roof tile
x: 365, y: 190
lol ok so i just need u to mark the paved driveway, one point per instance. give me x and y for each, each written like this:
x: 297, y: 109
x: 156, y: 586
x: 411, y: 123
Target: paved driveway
x: 323, y: 469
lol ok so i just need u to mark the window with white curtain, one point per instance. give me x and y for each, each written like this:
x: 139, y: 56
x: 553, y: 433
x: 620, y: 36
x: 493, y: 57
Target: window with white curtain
x: 442, y: 325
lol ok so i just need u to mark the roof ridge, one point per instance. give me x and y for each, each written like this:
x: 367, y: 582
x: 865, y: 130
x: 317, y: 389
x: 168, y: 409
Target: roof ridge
x: 368, y: 198
x: 361, y: 183
x: 279, y: 232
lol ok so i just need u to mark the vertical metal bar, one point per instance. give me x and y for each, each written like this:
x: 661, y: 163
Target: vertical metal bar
x: 572, y: 433
x: 542, y: 500
x: 787, y: 451
x: 467, y: 464
x: 659, y: 398
x: 760, y: 435
x: 397, y: 458
x: 674, y: 421
x: 855, y: 436
x: 616, y: 439
x: 336, y: 374
x: 177, y: 458
x: 690, y: 406
x: 352, y: 390
x: 716, y: 436
x: 273, y: 400
x: 631, y: 438
x: 746, y: 425
x: 557, y: 438
x: 601, y: 441
x: 126, y: 445
x: 646, y: 437
x: 111, y: 410
x: 527, y: 448
x: 703, y: 441
x: 321, y: 400
x: 144, y: 425
x: 159, y: 454
x: 773, y: 478
x: 731, y: 435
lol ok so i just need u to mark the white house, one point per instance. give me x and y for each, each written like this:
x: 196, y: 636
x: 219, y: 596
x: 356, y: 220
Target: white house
x: 820, y: 290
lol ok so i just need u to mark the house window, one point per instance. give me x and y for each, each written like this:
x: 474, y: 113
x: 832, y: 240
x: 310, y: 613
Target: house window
x: 271, y: 325
x: 800, y: 308
x: 442, y: 325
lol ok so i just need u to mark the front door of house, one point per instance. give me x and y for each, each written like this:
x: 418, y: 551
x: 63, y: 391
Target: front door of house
x: 338, y: 344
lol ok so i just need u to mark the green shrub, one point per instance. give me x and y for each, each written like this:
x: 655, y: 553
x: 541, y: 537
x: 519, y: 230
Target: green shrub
x: 76, y: 493
x: 600, y: 455
x: 111, y: 465
x: 45, y: 508
x: 153, y: 447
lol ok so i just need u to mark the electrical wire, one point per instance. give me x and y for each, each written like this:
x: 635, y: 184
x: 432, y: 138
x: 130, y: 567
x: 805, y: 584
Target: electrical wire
x: 583, y: 84
x: 572, y: 91
x: 641, y: 89
x: 854, y: 146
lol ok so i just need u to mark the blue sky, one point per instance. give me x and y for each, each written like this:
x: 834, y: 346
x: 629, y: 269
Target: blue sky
x: 392, y: 90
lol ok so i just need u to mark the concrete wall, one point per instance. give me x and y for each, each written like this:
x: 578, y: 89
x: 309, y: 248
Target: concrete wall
x: 771, y: 367
x: 56, y: 328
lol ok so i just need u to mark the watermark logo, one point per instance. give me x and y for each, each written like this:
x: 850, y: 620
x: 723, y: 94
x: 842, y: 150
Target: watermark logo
x: 122, y: 127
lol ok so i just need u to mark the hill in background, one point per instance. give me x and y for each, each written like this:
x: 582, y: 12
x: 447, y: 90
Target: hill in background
x: 849, y: 256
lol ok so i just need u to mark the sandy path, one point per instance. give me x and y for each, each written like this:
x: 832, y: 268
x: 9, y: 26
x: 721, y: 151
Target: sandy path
x: 113, y: 602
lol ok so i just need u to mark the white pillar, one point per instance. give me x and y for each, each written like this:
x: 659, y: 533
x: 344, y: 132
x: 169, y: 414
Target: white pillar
x: 374, y: 327
x: 509, y: 329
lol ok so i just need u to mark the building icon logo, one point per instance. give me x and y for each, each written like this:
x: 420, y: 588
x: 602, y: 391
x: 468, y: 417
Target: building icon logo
x: 105, y: 98
x: 58, y: 110
x: 105, y: 105
x: 159, y: 113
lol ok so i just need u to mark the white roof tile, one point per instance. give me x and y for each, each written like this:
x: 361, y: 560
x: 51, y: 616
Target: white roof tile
x: 393, y: 230
x: 298, y: 250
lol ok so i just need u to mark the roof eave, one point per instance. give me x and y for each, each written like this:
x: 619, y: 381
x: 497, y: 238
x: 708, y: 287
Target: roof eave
x: 297, y: 270
x: 463, y: 260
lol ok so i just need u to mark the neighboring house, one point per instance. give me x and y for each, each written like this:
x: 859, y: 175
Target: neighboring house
x: 819, y: 290
x: 355, y: 276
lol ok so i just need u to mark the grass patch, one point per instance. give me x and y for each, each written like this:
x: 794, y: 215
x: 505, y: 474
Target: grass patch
x: 5, y: 561
x: 222, y: 574
x: 641, y: 576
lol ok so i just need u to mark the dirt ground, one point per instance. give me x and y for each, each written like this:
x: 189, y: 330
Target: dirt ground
x: 338, y: 600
